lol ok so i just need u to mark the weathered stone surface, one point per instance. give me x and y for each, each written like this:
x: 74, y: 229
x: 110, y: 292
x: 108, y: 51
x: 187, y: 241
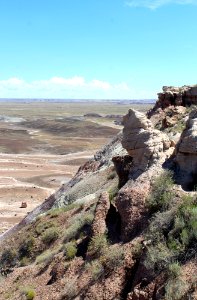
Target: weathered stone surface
x: 167, y: 117
x: 130, y: 203
x: 122, y: 165
x: 186, y: 158
x: 184, y: 96
x: 149, y: 149
x: 143, y: 143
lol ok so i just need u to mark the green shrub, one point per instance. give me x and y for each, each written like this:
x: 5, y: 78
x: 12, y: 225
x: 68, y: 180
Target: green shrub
x: 26, y: 248
x: 112, y: 257
x: 70, y: 289
x: 29, y: 293
x: 46, y: 257
x: 176, y: 289
x: 8, y: 258
x: 96, y: 269
x: 184, y: 231
x: 98, y: 245
x: 158, y: 257
x: 88, y: 218
x: 24, y: 261
x: 161, y: 194
x: 174, y: 270
x: 113, y: 193
x: 43, y: 225
x: 50, y: 235
x: 75, y: 229
x: 70, y: 250
x: 55, y: 212
x: 72, y: 231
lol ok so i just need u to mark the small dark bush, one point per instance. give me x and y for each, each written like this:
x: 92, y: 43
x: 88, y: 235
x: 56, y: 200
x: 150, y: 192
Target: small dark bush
x: 161, y: 194
x: 8, y: 258
x: 70, y: 250
x: 98, y: 245
x: 43, y: 225
x: 50, y: 235
x: 26, y: 247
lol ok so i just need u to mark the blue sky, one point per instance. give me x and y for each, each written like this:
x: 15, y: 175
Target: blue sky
x: 96, y: 49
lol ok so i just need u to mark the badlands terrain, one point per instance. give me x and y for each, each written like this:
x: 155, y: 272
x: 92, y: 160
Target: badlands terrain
x: 125, y: 226
x: 42, y: 145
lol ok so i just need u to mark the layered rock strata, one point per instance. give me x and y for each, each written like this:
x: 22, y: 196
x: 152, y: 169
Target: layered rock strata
x: 184, y: 96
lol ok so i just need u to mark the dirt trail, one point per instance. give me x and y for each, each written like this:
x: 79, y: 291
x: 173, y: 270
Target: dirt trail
x: 31, y: 179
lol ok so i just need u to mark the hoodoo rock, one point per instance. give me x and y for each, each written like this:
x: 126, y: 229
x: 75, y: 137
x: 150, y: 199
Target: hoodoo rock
x: 149, y: 149
x: 142, y: 142
x: 186, y: 157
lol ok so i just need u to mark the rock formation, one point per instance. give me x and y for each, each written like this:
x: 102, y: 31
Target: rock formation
x: 149, y: 149
x: 186, y: 157
x: 177, y: 96
x: 119, y: 270
x: 143, y: 143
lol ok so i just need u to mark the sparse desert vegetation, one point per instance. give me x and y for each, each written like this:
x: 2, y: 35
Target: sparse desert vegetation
x: 99, y: 239
x: 42, y: 145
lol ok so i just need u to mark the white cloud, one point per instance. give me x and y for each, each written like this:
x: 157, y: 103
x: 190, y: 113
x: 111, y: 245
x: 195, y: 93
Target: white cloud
x: 58, y: 87
x: 153, y: 4
x: 100, y: 84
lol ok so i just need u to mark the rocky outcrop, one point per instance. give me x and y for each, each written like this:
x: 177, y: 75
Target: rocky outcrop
x: 122, y: 165
x: 168, y: 117
x: 143, y: 143
x: 186, y: 157
x: 171, y: 107
x: 149, y: 149
x: 184, y: 96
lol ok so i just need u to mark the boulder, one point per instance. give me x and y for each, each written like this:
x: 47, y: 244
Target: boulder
x: 23, y: 205
x: 142, y: 142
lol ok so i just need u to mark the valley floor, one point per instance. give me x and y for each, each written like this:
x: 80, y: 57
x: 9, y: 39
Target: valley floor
x: 31, y: 179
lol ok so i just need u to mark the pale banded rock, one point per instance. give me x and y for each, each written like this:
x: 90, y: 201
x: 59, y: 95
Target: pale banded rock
x: 142, y: 142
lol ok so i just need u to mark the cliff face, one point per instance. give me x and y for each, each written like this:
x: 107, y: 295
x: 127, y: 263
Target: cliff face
x: 124, y: 227
x: 177, y: 96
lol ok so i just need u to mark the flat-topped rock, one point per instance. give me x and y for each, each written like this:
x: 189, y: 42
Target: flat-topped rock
x: 184, y: 96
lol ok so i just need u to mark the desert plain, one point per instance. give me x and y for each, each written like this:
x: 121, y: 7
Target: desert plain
x: 43, y: 143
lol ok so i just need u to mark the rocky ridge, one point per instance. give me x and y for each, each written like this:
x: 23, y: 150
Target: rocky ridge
x: 136, y: 227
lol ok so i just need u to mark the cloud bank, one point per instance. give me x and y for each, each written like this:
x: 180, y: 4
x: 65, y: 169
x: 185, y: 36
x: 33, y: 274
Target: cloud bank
x: 154, y: 4
x: 76, y: 87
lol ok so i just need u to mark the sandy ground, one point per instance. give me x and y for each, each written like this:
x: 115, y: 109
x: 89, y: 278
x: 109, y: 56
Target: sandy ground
x: 31, y: 179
